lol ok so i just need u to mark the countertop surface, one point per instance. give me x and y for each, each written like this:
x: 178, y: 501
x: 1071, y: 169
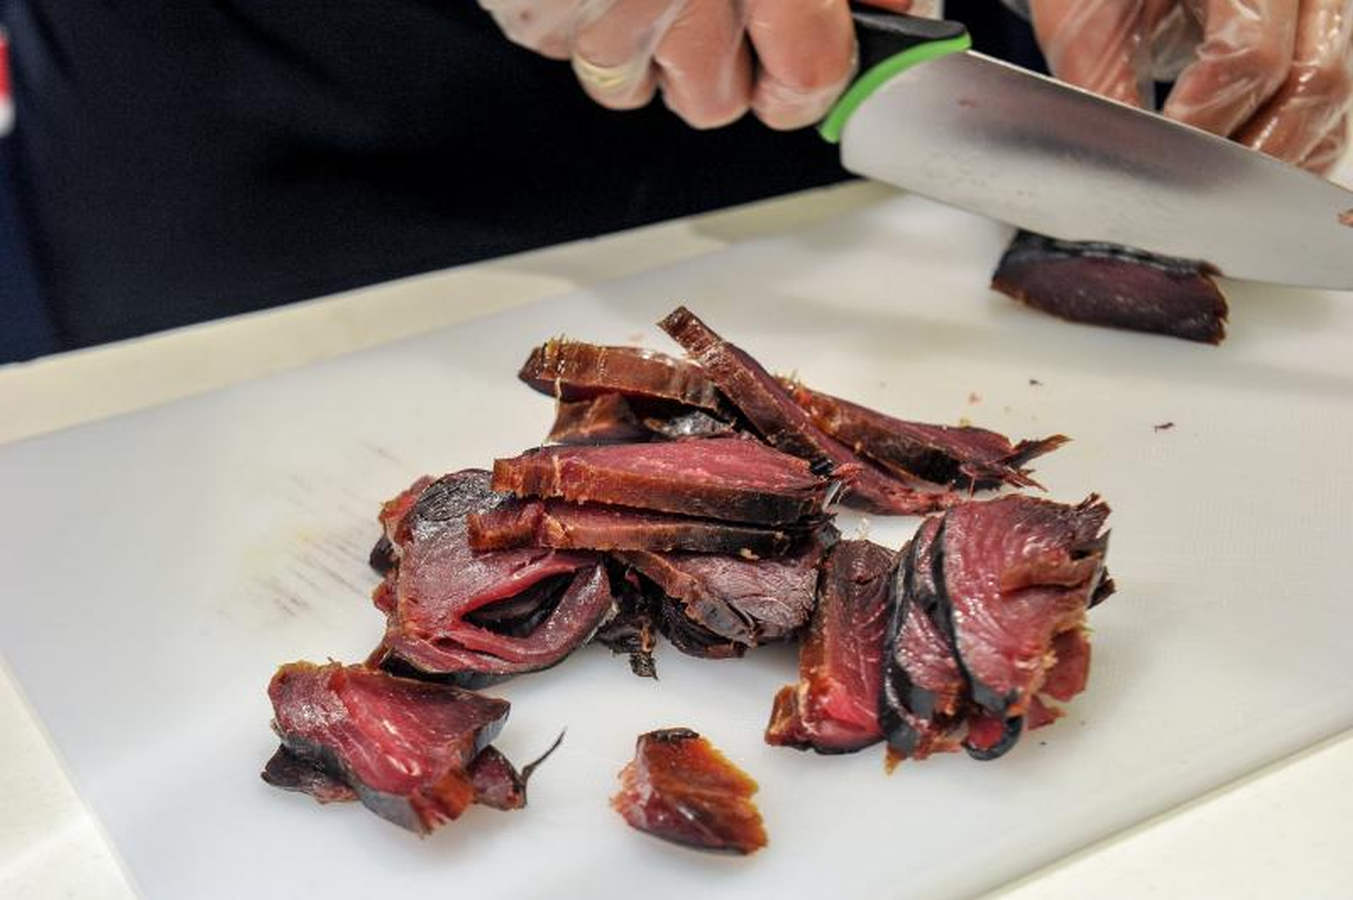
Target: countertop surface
x: 1280, y: 831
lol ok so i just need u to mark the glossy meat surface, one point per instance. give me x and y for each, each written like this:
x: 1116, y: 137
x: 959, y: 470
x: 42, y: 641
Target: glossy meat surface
x: 681, y: 789
x: 574, y: 370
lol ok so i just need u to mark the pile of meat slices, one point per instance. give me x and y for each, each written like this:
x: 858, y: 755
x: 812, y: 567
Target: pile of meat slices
x: 693, y: 499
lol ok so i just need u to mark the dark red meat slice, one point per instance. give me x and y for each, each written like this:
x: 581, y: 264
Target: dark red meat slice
x: 569, y: 526
x: 1107, y: 284
x: 767, y: 405
x: 924, y: 691
x: 1017, y: 572
x: 607, y: 419
x: 497, y: 783
x: 721, y: 478
x: 834, y: 707
x: 572, y: 370
x: 683, y: 790
x: 477, y: 616
x: 963, y: 456
x: 403, y: 746
x: 720, y: 605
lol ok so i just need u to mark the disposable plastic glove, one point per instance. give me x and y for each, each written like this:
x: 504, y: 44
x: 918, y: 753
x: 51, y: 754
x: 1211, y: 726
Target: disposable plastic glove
x: 1276, y: 75
x: 786, y: 60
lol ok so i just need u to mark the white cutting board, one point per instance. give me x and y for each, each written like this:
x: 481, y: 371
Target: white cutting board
x: 158, y: 567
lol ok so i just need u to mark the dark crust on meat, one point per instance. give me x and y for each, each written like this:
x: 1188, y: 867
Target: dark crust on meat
x: 1107, y: 284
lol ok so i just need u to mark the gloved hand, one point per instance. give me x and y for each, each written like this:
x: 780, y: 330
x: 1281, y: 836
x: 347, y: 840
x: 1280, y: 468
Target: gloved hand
x: 1276, y: 75
x: 786, y: 60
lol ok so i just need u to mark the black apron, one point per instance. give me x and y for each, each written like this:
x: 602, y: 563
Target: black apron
x: 183, y: 160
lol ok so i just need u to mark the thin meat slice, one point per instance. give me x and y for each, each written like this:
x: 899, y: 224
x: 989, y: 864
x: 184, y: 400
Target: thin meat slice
x: 681, y: 789
x: 473, y: 616
x: 962, y: 456
x: 924, y: 695
x: 834, y: 707
x: 772, y: 411
x: 573, y: 370
x: 290, y: 772
x: 607, y: 419
x: 403, y: 746
x: 721, y: 478
x: 718, y: 606
x: 1108, y: 284
x: 1017, y: 573
x: 568, y: 526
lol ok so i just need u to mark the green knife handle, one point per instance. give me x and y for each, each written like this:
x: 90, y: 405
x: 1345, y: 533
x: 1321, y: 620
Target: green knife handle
x: 890, y: 43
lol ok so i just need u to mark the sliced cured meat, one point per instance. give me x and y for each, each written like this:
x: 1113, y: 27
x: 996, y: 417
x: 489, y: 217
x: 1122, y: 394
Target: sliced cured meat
x: 478, y: 616
x: 772, y: 411
x: 569, y: 526
x: 572, y: 370
x: 402, y: 746
x: 1107, y: 284
x: 924, y: 692
x: 607, y: 419
x: 681, y: 789
x: 721, y: 605
x: 721, y: 478
x: 953, y: 455
x: 1017, y: 573
x: 834, y: 707
x: 613, y: 418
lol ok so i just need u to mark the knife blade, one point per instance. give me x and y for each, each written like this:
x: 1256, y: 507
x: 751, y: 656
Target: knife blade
x: 934, y: 117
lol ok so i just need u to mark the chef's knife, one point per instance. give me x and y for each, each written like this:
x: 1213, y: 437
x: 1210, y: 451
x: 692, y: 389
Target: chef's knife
x: 932, y: 116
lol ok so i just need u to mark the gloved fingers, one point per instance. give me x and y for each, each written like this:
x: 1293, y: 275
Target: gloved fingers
x: 1318, y: 88
x: 1095, y: 44
x: 613, y: 50
x: 1244, y: 57
x: 545, y: 26
x: 1328, y: 150
x: 705, y: 65
x: 793, y: 87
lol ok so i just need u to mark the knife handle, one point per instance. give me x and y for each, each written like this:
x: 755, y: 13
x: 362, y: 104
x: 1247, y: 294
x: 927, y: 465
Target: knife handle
x: 888, y: 44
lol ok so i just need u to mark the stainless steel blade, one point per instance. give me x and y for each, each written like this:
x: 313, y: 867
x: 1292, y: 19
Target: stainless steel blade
x: 1017, y: 146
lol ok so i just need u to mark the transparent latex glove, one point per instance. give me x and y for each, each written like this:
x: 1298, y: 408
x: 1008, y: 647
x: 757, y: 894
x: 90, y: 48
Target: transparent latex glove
x: 1272, y: 74
x: 712, y: 60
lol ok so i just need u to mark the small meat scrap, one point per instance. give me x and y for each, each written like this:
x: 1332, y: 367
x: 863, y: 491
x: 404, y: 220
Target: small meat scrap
x: 404, y: 748
x: 1108, y: 284
x: 962, y: 456
x: 765, y: 403
x: 573, y: 370
x: 731, y: 479
x: 717, y: 606
x: 479, y: 617
x: 592, y: 526
x: 681, y: 789
x: 1163, y: 426
x: 834, y: 707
